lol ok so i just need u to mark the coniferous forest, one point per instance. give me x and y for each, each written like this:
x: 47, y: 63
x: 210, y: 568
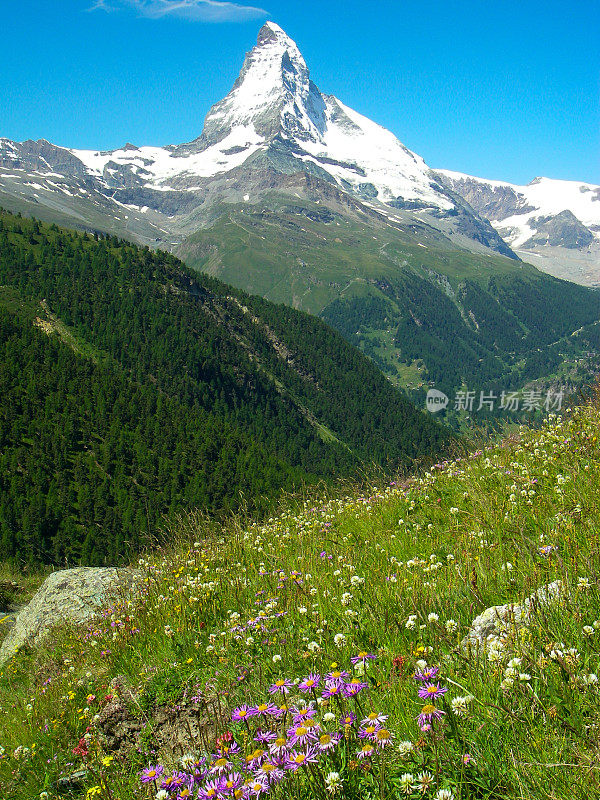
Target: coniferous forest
x: 132, y: 389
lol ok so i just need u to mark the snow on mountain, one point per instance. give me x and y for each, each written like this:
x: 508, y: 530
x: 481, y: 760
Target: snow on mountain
x: 274, y: 99
x: 517, y: 211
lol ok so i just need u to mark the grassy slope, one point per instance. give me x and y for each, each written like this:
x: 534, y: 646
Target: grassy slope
x: 380, y: 287
x: 442, y: 548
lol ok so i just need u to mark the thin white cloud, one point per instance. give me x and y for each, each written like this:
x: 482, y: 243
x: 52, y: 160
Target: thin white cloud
x: 194, y: 10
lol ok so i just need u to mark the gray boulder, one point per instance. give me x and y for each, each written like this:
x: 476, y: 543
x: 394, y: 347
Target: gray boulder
x: 495, y: 621
x: 69, y: 595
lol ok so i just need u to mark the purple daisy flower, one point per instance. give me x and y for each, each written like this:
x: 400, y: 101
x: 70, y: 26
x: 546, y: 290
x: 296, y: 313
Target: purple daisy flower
x: 300, y: 758
x: 362, y: 658
x: 431, y: 691
x: 369, y: 731
x: 328, y: 741
x: 210, y: 791
x: 265, y: 710
x: 283, y: 685
x: 333, y: 689
x: 151, y: 773
x: 255, y: 759
x: 264, y: 737
x: 348, y: 719
x: 300, y: 713
x: 309, y: 684
x: 173, y: 782
x: 383, y: 738
x: 353, y: 687
x: 427, y: 675
x: 337, y: 676
x: 269, y: 771
x: 300, y: 735
x: 428, y: 714
x: 374, y: 716
x: 242, y: 713
x: 279, y: 747
x: 258, y: 787
x: 220, y: 766
x: 366, y: 751
x: 231, y: 782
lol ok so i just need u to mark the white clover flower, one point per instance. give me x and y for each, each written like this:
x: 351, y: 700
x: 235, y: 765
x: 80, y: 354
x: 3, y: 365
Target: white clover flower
x: 451, y: 625
x: 507, y: 684
x: 524, y: 677
x: 250, y: 640
x: 339, y: 640
x: 162, y: 794
x: 355, y: 580
x: 328, y: 716
x: 333, y: 782
x: 583, y: 583
x: 302, y: 609
x: 444, y: 794
x: 346, y: 599
x: 514, y: 662
x: 460, y: 705
x: 407, y: 781
x: 421, y: 664
x: 314, y: 647
x: 276, y: 658
x: 587, y: 630
x: 432, y: 617
x: 411, y: 622
x: 405, y: 749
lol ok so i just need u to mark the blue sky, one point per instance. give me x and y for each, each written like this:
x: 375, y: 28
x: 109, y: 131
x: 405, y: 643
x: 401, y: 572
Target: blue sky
x: 501, y: 89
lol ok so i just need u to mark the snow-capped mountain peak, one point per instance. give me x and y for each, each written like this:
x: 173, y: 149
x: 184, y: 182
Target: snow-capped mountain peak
x: 273, y: 93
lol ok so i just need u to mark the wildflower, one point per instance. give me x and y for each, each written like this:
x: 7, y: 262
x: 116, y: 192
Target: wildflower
x: 444, y: 794
x: 382, y: 737
x: 314, y: 647
x: 411, y: 622
x: 300, y: 735
x: 428, y: 714
x: 333, y: 782
x: 374, y: 718
x: 433, y: 617
x: 348, y: 719
x: 270, y: 772
x: 368, y: 732
x: 467, y: 760
x: 332, y: 689
x: 299, y: 758
x: 265, y: 710
x: 339, y: 640
x: 276, y: 658
x: 583, y: 583
x: 353, y: 687
x: 427, y: 674
x: 327, y: 741
x: 460, y: 705
x: 310, y: 684
x: 424, y: 781
x: 407, y: 781
x: 588, y: 630
x: 279, y: 747
x: 432, y: 691
x: 151, y: 774
x: 405, y: 749
x: 283, y: 685
x: 300, y: 713
x: 366, y: 751
x: 451, y: 626
x: 362, y: 658
x: 242, y: 713
x: 258, y: 787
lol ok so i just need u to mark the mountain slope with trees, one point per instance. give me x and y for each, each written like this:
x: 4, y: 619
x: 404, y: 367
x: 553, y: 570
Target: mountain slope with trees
x: 132, y: 388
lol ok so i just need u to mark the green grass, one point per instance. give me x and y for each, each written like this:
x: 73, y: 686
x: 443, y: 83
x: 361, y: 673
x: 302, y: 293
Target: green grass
x: 399, y: 573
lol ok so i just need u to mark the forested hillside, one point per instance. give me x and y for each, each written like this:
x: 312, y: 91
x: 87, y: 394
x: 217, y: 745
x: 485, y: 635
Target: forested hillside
x: 131, y: 388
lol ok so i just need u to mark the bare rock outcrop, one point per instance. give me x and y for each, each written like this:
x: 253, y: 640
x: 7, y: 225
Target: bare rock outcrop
x: 69, y: 595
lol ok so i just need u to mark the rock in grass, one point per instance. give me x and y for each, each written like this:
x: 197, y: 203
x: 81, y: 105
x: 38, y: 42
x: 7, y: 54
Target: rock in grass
x: 495, y: 621
x: 69, y: 595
